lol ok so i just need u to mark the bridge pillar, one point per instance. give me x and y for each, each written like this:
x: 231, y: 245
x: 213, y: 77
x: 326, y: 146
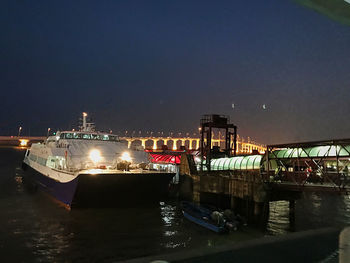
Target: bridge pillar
x: 143, y: 143
x: 191, y: 144
x: 155, y: 144
x: 129, y: 143
x: 174, y: 144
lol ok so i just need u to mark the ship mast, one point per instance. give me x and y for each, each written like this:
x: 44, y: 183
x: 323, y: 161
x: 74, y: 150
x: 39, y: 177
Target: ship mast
x: 87, y: 126
x: 84, y: 121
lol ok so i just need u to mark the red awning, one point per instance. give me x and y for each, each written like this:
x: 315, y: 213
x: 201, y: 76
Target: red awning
x: 165, y: 158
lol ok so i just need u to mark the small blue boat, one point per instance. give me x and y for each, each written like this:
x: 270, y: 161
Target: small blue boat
x: 210, y: 219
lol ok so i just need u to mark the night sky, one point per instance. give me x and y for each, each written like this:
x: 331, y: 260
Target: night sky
x: 160, y: 65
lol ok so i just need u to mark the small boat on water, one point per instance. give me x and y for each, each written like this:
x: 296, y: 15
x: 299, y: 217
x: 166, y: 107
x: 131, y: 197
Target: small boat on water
x: 211, y: 219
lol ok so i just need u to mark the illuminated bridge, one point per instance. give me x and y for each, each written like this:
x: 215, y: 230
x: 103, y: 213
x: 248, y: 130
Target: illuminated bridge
x: 173, y: 143
x: 190, y: 143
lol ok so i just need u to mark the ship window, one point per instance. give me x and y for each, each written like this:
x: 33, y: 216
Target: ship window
x: 113, y: 138
x: 86, y: 136
x: 69, y: 135
x: 32, y: 157
x: 41, y: 161
x: 95, y: 137
x: 77, y: 135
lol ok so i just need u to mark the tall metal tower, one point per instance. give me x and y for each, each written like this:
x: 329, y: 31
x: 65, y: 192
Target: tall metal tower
x: 215, y: 121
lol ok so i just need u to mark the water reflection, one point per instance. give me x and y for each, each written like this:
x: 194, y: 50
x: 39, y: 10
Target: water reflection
x: 278, y: 222
x: 171, y: 216
x: 167, y: 213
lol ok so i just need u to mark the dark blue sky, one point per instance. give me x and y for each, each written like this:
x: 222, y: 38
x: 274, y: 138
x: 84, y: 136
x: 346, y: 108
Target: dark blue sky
x: 160, y: 65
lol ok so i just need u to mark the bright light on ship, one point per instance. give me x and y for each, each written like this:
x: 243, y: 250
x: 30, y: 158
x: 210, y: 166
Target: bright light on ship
x: 95, y: 155
x: 23, y: 142
x: 126, y: 157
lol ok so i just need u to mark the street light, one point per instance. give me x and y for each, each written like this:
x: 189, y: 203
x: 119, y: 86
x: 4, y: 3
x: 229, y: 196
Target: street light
x: 19, y: 131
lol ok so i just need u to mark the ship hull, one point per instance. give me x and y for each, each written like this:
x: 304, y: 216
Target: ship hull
x: 121, y: 189
x: 101, y: 190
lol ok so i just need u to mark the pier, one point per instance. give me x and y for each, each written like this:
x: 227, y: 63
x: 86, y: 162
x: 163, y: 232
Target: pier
x: 249, y: 183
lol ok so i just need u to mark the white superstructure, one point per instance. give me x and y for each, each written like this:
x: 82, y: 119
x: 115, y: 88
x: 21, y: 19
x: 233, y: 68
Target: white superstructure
x: 69, y: 153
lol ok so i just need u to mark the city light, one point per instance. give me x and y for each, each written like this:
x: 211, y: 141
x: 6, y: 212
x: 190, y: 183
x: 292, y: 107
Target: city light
x: 23, y: 142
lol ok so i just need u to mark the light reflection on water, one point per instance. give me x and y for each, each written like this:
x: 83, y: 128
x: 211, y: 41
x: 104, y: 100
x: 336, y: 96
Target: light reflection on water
x: 278, y: 222
x: 36, y: 229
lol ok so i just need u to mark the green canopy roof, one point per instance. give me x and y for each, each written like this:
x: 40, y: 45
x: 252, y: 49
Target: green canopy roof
x: 313, y: 152
x: 248, y: 162
x: 253, y: 162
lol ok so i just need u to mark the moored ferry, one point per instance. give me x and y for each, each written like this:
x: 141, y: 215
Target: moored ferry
x: 88, y: 167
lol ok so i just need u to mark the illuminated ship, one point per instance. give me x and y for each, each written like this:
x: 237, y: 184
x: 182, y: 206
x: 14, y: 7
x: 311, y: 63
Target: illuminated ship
x: 87, y: 167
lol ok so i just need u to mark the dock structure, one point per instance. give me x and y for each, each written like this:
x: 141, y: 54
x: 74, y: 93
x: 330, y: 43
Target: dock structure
x: 250, y: 182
